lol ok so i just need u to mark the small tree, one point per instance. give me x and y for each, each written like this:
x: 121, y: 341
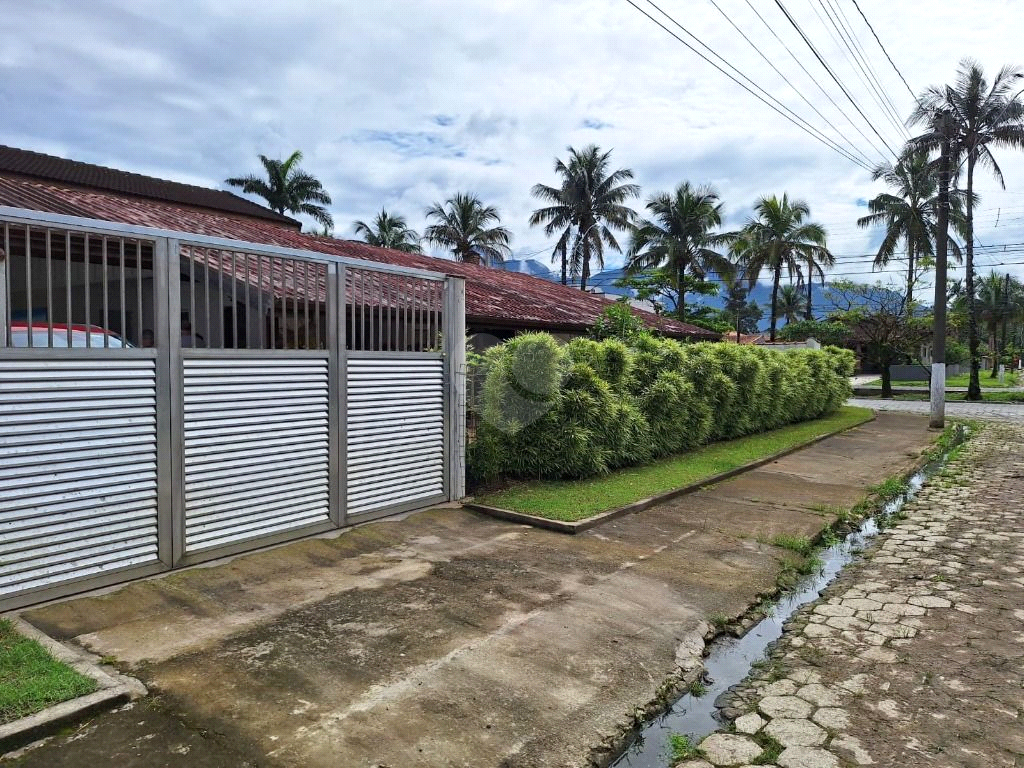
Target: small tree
x: 828, y: 332
x: 880, y: 324
x: 665, y: 289
x: 617, y: 321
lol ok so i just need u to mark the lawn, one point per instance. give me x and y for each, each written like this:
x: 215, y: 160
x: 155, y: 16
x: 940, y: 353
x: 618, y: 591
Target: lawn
x: 987, y: 396
x: 955, y: 381
x: 31, y: 679
x: 572, y: 500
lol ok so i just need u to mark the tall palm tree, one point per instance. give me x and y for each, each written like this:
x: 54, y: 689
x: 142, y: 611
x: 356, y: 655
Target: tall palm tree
x: 780, y: 239
x: 791, y: 303
x: 999, y: 302
x: 678, y: 237
x: 469, y: 228
x: 586, y: 207
x: 389, y: 231
x: 287, y: 188
x: 815, y: 262
x: 910, y: 214
x: 984, y: 117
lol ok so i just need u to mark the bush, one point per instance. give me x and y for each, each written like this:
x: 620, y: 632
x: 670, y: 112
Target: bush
x: 828, y: 332
x: 552, y: 411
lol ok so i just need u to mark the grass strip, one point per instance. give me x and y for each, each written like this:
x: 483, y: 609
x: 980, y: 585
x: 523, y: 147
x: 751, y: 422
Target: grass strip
x: 987, y: 396
x: 960, y: 380
x: 572, y: 500
x: 31, y: 679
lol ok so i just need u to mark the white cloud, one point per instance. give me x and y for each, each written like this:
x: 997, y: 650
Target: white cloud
x: 401, y: 104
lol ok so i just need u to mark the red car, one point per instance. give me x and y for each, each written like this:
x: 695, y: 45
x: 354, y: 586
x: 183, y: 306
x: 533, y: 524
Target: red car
x: 41, y: 336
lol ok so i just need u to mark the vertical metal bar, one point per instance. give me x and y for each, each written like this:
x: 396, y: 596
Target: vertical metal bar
x: 220, y: 298
x: 28, y: 285
x: 321, y: 270
x: 248, y: 305
x: 106, y: 306
x: 295, y: 304
x: 169, y: 405
x: 124, y: 297
x: 305, y: 302
x: 138, y: 293
x: 67, y: 287
x: 273, y: 306
x: 49, y: 291
x: 234, y: 301
x: 87, y: 264
x: 259, y: 298
x: 362, y: 311
x: 336, y: 384
x: 403, y: 304
x: 192, y: 294
x: 454, y: 321
x: 8, y: 339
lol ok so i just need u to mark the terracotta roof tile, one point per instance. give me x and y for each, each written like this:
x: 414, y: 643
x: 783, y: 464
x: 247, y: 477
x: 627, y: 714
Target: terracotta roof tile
x: 494, y: 298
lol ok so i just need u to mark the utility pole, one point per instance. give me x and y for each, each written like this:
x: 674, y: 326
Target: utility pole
x: 937, y: 419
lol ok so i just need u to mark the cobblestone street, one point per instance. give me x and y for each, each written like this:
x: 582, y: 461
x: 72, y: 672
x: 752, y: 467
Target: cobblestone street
x: 913, y: 657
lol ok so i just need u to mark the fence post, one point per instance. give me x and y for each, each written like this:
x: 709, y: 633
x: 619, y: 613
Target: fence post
x: 337, y: 387
x: 455, y: 387
x: 169, y: 405
x: 4, y: 330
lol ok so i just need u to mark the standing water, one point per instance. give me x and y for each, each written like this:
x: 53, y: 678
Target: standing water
x: 730, y: 658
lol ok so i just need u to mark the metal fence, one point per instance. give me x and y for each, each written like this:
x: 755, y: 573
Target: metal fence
x: 167, y: 398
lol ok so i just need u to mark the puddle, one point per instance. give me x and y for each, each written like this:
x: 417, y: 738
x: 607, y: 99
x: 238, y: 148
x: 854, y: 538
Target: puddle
x: 730, y: 658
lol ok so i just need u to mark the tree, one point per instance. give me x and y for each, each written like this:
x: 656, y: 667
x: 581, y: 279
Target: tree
x: 469, y: 228
x: 983, y: 117
x: 389, y: 231
x: 679, y: 239
x: 910, y: 215
x: 999, y: 301
x: 791, y: 303
x: 288, y: 189
x: 879, y: 324
x: 663, y: 288
x: 827, y: 332
x: 779, y: 239
x: 585, y: 208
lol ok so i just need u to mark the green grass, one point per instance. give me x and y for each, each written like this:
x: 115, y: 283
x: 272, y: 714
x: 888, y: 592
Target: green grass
x: 571, y: 500
x: 987, y: 396
x: 800, y: 544
x: 683, y: 748
x: 961, y: 380
x: 31, y: 679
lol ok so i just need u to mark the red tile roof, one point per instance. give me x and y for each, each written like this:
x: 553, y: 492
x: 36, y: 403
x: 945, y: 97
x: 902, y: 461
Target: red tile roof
x: 494, y: 298
x: 57, y: 169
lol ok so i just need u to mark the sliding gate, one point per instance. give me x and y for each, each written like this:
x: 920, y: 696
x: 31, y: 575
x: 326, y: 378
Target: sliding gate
x: 168, y: 398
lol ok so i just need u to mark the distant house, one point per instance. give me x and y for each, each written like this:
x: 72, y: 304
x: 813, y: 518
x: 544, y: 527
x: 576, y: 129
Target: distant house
x: 498, y: 302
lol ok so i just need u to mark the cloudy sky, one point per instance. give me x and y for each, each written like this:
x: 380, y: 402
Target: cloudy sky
x: 399, y: 104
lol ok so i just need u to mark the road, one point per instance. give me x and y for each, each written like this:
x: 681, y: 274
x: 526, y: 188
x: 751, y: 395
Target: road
x: 987, y: 411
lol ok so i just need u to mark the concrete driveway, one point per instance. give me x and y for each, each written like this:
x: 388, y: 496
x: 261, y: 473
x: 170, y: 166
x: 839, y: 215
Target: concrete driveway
x: 448, y: 638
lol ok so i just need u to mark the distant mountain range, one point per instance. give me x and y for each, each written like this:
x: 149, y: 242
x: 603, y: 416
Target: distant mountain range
x: 607, y: 279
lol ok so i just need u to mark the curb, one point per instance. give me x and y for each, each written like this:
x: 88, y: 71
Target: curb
x: 572, y: 528
x: 112, y: 691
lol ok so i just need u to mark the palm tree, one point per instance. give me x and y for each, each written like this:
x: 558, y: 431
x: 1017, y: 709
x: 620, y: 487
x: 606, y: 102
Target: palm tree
x: 999, y: 302
x: 586, y: 207
x: 678, y: 237
x: 287, y: 188
x: 791, y: 303
x: 779, y: 238
x: 469, y: 228
x: 815, y: 263
x: 983, y: 117
x: 389, y: 231
x: 910, y: 215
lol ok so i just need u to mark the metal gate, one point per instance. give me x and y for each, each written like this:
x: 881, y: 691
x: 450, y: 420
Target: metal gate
x: 168, y: 398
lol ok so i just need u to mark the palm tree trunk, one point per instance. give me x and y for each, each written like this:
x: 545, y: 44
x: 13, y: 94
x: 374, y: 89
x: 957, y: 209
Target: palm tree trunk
x: 680, y: 292
x: 775, y: 296
x: 992, y: 328
x: 809, y: 309
x: 585, y: 273
x: 974, y: 386
x: 910, y: 272
x: 565, y: 267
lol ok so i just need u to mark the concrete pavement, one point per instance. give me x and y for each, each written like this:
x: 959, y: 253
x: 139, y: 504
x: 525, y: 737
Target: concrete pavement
x: 987, y: 411
x: 450, y: 639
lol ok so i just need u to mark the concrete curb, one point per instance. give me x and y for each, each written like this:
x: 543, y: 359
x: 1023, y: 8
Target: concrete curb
x: 112, y: 690
x: 580, y: 526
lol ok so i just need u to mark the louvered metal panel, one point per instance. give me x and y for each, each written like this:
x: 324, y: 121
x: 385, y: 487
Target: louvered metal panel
x: 78, y: 469
x: 256, y: 447
x: 395, y: 432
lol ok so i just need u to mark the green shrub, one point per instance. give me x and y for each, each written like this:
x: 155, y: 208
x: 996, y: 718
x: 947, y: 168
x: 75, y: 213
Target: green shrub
x: 552, y: 411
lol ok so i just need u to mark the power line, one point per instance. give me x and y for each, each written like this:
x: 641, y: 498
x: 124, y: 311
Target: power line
x: 877, y: 40
x: 795, y: 119
x: 832, y: 74
x: 786, y: 79
x: 860, y: 63
x: 814, y: 79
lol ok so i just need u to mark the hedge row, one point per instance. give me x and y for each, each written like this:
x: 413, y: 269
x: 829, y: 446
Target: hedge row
x: 564, y: 411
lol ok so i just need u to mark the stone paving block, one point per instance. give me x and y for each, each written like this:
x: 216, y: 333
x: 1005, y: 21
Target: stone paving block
x: 749, y: 723
x: 795, y: 733
x: 807, y: 757
x: 725, y: 749
x: 785, y: 706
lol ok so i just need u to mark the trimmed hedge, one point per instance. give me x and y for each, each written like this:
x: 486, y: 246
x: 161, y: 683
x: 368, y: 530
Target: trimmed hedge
x: 552, y: 411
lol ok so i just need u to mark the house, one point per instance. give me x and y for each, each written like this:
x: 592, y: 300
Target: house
x: 498, y: 303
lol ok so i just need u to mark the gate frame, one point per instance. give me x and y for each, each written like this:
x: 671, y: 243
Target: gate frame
x: 169, y: 375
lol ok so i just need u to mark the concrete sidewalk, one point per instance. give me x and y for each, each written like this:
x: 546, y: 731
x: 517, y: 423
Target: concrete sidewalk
x: 447, y: 638
x: 912, y: 657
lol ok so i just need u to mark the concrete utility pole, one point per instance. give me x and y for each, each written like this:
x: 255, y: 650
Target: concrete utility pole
x: 938, y: 383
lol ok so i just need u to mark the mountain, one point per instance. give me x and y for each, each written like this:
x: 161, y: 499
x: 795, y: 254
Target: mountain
x: 529, y: 267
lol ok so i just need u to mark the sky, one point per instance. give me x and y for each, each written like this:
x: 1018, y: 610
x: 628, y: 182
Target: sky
x: 399, y: 105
